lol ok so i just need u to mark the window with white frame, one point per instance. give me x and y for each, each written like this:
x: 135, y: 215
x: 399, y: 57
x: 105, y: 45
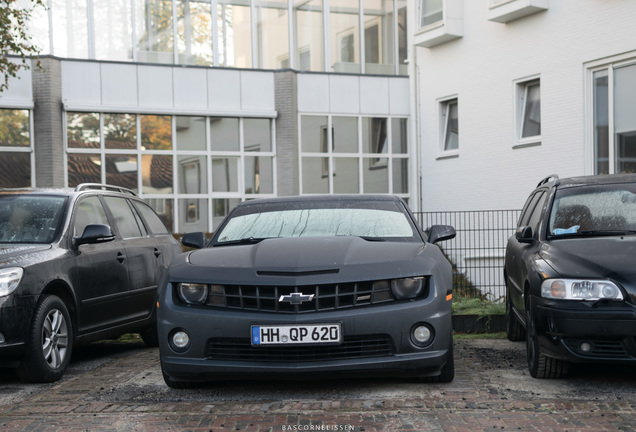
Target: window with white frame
x: 449, y: 125
x: 360, y: 155
x: 191, y: 169
x: 613, y: 119
x: 431, y: 11
x: 16, y: 149
x: 528, y: 107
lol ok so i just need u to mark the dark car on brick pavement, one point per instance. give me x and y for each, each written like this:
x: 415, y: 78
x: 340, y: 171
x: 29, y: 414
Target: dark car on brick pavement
x: 76, y: 266
x: 307, y: 286
x: 570, y: 272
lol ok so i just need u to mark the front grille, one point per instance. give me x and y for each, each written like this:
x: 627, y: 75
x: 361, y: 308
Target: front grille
x: 600, y: 349
x: 351, y: 348
x: 326, y: 297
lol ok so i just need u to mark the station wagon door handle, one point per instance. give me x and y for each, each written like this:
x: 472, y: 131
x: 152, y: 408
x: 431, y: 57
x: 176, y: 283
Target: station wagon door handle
x: 157, y: 252
x: 121, y: 257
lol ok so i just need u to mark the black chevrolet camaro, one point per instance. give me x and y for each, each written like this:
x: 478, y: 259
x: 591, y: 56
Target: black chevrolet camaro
x: 571, y: 276
x: 309, y: 286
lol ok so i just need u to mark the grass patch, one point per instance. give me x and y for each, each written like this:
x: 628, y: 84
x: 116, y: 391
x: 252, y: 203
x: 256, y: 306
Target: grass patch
x: 494, y: 335
x: 477, y: 306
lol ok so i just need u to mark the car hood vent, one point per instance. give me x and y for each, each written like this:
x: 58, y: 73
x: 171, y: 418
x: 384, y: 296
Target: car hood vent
x: 297, y: 273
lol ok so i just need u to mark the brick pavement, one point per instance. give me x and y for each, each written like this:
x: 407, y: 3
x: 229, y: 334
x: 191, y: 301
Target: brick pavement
x: 127, y: 394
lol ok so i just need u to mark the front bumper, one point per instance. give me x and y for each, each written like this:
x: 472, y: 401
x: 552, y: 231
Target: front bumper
x: 392, y: 323
x: 579, y: 332
x: 15, y: 322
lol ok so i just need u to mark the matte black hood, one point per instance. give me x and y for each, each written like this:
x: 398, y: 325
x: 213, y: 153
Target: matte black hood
x: 9, y: 253
x: 301, y: 256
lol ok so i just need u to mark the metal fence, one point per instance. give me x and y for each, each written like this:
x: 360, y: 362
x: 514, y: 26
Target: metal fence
x: 477, y: 252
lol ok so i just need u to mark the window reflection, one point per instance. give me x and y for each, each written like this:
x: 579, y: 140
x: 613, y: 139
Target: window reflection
x: 153, y: 27
x: 70, y: 29
x: 83, y: 168
x: 257, y: 135
x: 120, y: 131
x: 190, y: 133
x: 345, y: 36
x: 224, y: 134
x: 14, y: 128
x: 121, y: 170
x: 15, y: 169
x: 194, y: 32
x: 82, y: 130
x: 235, y: 33
x: 193, y: 215
x: 272, y: 27
x: 156, y: 174
x: 308, y: 29
x: 113, y: 29
x: 193, y: 174
x: 225, y: 174
x: 156, y: 132
x: 259, y: 176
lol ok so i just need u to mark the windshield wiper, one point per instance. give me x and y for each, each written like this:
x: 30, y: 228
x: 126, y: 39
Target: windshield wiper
x: 593, y: 233
x: 246, y: 240
x: 373, y: 239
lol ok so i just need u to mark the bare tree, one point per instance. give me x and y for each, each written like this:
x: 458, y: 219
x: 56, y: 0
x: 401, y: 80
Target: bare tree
x: 15, y: 16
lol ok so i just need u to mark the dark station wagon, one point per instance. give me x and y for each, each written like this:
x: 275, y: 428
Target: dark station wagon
x: 76, y: 266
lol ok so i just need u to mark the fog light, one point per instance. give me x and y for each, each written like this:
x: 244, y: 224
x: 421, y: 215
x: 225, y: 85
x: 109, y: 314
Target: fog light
x: 2, y: 339
x: 422, y: 335
x: 586, y: 347
x: 180, y: 341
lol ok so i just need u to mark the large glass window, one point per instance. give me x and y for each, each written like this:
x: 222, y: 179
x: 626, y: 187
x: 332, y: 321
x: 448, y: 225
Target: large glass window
x: 70, y: 28
x: 344, y: 21
x: 379, y: 37
x: 309, y: 29
x: 235, y: 33
x: 190, y: 183
x: 272, y: 34
x: 113, y: 29
x: 359, y: 155
x: 154, y: 30
x: 614, y: 123
x: 14, y: 128
x: 194, y: 32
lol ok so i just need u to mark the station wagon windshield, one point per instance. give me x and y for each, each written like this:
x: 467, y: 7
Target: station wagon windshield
x: 30, y: 218
x: 594, y: 211
x: 314, y: 222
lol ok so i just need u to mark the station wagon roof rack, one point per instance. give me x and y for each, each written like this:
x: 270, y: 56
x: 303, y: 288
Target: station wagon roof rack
x: 547, y: 179
x: 98, y: 186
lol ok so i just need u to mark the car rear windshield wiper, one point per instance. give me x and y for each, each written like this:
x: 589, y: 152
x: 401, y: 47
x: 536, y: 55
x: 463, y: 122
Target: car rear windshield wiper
x: 246, y: 240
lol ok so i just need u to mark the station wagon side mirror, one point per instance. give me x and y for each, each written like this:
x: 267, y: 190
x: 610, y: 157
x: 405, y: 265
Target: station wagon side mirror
x: 524, y: 234
x: 95, y: 233
x: 438, y: 233
x: 195, y: 240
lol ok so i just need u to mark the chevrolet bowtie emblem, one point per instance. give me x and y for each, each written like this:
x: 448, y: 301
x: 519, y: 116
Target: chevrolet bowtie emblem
x: 295, y: 298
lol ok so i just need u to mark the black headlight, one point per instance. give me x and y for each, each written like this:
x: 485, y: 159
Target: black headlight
x: 193, y: 293
x: 408, y: 288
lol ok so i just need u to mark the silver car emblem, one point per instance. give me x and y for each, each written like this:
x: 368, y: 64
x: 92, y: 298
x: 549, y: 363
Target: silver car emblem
x: 296, y: 298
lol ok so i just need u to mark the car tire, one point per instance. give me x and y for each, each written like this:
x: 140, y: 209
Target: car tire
x: 50, y: 342
x: 514, y: 330
x: 540, y: 365
x: 175, y: 384
x: 150, y: 336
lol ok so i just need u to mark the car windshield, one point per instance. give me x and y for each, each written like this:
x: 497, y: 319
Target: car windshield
x: 30, y: 218
x: 594, y: 211
x: 381, y: 223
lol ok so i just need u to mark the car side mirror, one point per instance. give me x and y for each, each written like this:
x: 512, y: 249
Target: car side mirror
x: 95, y: 233
x: 195, y: 240
x: 438, y: 233
x: 524, y: 234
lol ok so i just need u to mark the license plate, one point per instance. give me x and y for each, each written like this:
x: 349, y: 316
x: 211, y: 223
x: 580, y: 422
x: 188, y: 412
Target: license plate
x: 296, y: 334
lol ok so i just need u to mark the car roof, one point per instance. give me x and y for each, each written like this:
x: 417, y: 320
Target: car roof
x: 323, y: 198
x: 590, y: 180
x: 81, y: 188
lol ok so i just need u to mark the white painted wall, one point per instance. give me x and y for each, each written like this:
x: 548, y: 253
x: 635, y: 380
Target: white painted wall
x: 481, y: 67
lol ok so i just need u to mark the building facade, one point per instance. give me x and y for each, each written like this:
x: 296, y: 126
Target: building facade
x: 511, y: 91
x: 199, y: 104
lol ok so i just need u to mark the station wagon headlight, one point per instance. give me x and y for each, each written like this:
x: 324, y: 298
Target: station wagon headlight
x: 577, y: 289
x: 9, y: 280
x: 193, y: 293
x: 407, y: 288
